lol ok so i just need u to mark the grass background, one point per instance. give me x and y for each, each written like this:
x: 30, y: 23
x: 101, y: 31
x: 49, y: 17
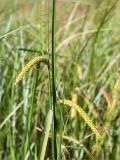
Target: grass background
x: 87, y: 72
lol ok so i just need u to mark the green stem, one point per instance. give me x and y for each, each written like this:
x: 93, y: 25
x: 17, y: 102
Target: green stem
x: 54, y: 149
x: 29, y: 123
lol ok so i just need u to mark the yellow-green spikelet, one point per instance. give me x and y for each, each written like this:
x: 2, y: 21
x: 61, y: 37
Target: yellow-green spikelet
x: 29, y: 65
x: 82, y: 113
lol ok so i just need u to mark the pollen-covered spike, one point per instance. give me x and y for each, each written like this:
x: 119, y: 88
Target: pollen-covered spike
x: 35, y: 60
x: 82, y: 113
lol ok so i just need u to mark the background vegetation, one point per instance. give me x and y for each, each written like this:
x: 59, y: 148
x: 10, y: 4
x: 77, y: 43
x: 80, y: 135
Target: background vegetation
x: 87, y: 72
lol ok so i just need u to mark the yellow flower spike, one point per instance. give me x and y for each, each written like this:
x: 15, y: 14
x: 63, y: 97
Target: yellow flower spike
x: 29, y: 65
x: 82, y: 113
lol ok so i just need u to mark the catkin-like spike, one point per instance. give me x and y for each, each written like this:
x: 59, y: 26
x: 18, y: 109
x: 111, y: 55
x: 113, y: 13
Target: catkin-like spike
x: 82, y: 113
x: 29, y: 65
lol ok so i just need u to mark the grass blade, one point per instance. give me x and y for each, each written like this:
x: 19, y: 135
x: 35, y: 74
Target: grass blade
x: 47, y: 131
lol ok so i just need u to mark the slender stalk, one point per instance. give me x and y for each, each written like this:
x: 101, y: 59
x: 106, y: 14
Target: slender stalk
x: 54, y: 149
x: 29, y: 123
